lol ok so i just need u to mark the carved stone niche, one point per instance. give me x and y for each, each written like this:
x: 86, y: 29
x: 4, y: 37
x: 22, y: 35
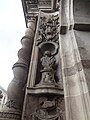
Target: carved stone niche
x: 45, y: 73
x: 45, y: 107
x: 47, y: 80
x: 48, y: 63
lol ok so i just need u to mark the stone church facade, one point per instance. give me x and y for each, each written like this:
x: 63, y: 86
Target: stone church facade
x: 52, y: 75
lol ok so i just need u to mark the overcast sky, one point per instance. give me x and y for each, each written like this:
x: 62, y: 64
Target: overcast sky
x: 12, y: 29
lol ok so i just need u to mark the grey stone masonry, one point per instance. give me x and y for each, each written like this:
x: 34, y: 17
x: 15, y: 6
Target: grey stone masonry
x: 16, y: 89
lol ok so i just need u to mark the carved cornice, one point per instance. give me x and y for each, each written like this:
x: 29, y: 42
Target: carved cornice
x: 31, y: 7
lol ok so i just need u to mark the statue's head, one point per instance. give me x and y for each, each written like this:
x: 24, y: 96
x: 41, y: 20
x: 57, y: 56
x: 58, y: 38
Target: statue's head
x: 48, y: 53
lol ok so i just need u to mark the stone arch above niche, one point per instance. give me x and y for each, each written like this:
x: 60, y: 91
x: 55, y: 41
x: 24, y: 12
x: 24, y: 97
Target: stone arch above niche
x: 49, y: 46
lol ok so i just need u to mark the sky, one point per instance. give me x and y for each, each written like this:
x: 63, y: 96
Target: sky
x: 12, y: 29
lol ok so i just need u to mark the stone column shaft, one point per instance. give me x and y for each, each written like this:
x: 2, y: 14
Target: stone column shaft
x: 64, y: 16
x: 76, y: 92
x: 65, y: 12
x: 16, y: 89
x: 21, y: 67
x: 71, y: 14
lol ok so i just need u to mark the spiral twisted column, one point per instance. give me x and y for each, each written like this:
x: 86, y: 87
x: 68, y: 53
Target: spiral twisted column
x: 16, y: 88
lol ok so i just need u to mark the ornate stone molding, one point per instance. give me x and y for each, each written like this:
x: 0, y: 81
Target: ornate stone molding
x: 45, y: 50
x: 32, y: 7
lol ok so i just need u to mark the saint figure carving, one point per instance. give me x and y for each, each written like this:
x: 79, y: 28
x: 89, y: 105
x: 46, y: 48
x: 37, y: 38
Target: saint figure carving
x: 48, y: 63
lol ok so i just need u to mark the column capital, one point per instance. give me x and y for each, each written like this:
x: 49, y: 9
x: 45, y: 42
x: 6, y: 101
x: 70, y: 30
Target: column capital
x: 31, y: 19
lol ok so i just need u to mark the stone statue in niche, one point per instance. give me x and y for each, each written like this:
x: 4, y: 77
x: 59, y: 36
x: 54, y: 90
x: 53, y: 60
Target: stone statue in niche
x: 48, y: 62
x: 47, y: 41
x: 48, y: 29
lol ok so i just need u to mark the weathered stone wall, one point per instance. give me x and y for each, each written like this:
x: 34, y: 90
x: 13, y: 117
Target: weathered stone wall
x: 83, y: 41
x: 82, y: 11
x: 82, y: 33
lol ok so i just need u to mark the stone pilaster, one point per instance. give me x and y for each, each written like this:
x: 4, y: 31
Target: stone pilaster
x: 76, y: 92
x: 64, y: 16
x: 16, y: 89
x: 71, y: 17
